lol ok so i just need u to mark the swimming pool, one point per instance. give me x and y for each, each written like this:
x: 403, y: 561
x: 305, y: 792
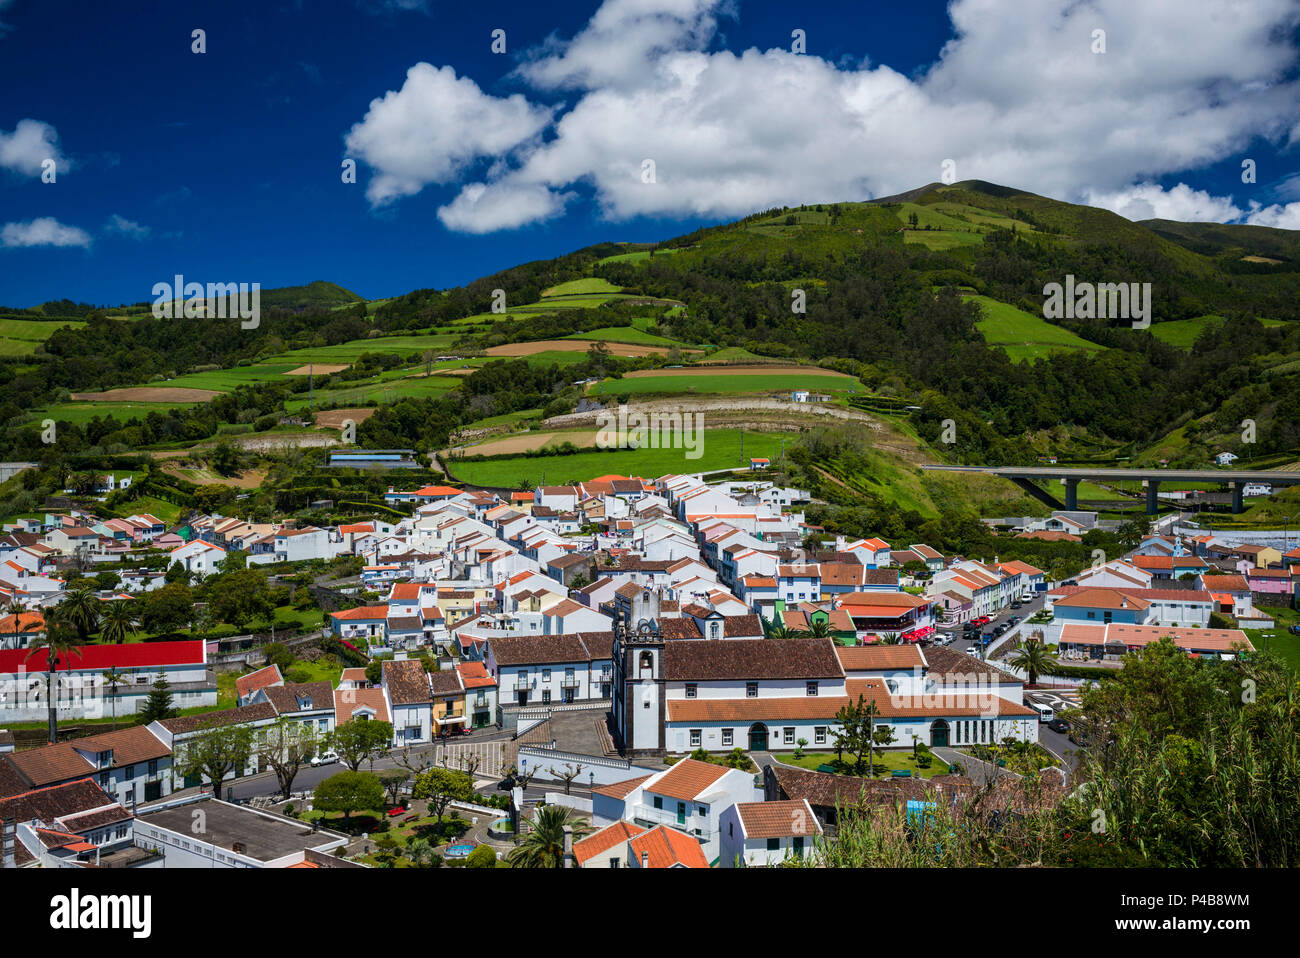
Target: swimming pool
x: 460, y: 851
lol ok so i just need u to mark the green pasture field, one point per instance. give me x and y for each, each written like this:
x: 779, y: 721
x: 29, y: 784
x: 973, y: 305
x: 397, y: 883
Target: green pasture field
x: 720, y: 449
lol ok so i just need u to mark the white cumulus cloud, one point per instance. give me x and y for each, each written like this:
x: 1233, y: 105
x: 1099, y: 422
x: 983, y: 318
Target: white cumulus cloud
x: 31, y: 143
x: 433, y: 127
x: 1016, y: 97
x: 478, y: 209
x: 43, y: 231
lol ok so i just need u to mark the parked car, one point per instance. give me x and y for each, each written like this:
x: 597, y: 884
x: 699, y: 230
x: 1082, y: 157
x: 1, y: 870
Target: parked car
x: 1012, y: 621
x: 1059, y: 725
x: 506, y: 784
x: 1016, y: 604
x: 324, y: 758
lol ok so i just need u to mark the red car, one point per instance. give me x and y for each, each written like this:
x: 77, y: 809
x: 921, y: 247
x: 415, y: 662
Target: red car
x: 982, y: 620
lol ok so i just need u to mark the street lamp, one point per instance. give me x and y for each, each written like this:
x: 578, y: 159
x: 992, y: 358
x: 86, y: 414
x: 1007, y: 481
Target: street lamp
x: 591, y: 781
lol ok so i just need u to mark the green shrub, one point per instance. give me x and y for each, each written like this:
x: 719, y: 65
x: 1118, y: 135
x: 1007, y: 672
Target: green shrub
x: 482, y: 857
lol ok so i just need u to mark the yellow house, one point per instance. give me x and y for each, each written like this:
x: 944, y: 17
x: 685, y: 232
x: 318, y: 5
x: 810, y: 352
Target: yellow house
x: 448, y: 702
x: 457, y: 604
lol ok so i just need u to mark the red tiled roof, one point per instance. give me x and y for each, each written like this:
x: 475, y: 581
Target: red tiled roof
x: 348, y: 701
x: 604, y: 840
x: 665, y: 847
x: 868, y: 658
x: 126, y: 655
x: 361, y: 612
x: 783, y: 819
x: 247, y: 684
x: 475, y: 675
x: 688, y: 779
x: 620, y: 789
x: 755, y: 710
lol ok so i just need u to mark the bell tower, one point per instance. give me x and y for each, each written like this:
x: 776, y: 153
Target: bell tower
x: 638, y: 693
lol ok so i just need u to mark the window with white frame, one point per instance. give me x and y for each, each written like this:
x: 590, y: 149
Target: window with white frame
x: 751, y: 690
x: 691, y: 689
x: 810, y: 688
x: 727, y: 736
x: 695, y: 738
x: 819, y: 735
x: 788, y: 735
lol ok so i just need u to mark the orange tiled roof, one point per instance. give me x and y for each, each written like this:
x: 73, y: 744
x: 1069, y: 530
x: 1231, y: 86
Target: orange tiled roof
x: 604, y: 840
x: 688, y: 779
x: 782, y: 819
x: 755, y: 710
x: 663, y: 847
x: 867, y: 658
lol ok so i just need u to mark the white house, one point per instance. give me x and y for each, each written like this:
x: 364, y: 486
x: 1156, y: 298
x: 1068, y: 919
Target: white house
x: 198, y: 556
x: 690, y: 797
x: 767, y: 833
x: 545, y: 669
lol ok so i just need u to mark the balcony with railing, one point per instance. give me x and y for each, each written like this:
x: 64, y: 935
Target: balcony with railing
x: 570, y: 682
x: 690, y: 824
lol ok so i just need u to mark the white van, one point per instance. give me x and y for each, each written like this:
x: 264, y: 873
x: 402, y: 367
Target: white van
x: 1045, y: 712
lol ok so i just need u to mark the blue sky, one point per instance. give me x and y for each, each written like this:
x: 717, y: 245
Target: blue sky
x: 225, y: 166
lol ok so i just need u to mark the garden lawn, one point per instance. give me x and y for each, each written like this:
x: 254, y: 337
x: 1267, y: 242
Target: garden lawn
x: 1279, y: 640
x: 893, y: 759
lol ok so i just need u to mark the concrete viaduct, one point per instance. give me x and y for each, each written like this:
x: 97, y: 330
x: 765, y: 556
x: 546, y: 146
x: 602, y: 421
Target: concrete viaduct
x: 1236, y: 478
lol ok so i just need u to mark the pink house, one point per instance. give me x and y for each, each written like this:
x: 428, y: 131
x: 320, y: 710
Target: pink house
x: 1276, y: 581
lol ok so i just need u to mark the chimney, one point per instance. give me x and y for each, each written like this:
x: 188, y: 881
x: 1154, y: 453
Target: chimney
x: 568, y: 846
x: 7, y: 844
x: 645, y: 859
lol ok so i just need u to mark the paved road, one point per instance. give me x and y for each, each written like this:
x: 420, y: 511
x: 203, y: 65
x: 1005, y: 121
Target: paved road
x: 1024, y: 612
x: 308, y: 778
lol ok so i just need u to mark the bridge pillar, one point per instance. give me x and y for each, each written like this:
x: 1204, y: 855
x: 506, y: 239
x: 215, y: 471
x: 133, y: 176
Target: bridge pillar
x: 1153, y: 497
x: 1071, y: 494
x: 1237, y: 505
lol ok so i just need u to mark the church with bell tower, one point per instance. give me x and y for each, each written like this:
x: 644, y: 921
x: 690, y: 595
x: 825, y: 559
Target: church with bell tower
x: 638, y: 693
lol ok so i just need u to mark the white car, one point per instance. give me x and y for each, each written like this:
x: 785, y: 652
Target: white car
x: 324, y: 758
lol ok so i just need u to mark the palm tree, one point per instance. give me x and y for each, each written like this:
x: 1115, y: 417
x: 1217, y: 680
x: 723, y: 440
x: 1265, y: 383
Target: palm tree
x: 1034, y: 658
x: 81, y: 611
x: 543, y: 846
x: 60, y: 642
x: 821, y: 629
x: 114, y: 678
x: 777, y: 630
x: 119, y: 620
